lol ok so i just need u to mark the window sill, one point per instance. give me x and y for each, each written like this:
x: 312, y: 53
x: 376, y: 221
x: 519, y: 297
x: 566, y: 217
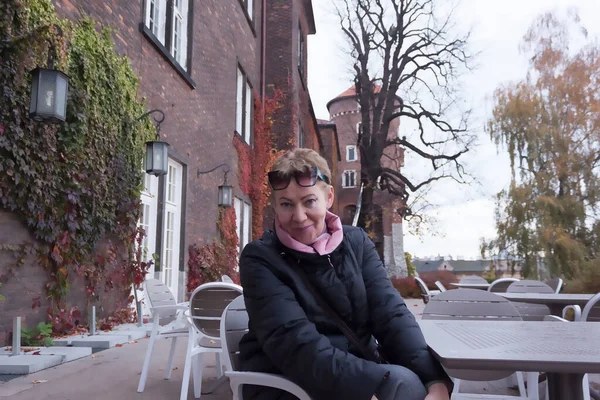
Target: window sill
x: 250, y: 21
x: 165, y: 53
x: 236, y: 134
x: 349, y: 187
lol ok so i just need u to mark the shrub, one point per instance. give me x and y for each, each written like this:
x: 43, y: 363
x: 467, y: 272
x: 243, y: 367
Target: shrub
x: 41, y: 335
x: 588, y: 280
x: 407, y: 287
x: 445, y: 277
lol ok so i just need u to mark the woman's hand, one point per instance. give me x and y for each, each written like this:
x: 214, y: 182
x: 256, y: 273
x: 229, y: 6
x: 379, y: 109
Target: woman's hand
x: 438, y: 391
x: 374, y: 397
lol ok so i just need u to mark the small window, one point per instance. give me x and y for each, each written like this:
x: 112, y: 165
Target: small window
x: 359, y: 129
x: 300, y: 50
x: 349, y: 179
x: 243, y: 221
x: 243, y: 106
x: 173, y: 33
x: 351, y: 153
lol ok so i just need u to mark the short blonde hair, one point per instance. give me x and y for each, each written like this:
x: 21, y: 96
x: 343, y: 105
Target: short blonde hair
x: 299, y: 160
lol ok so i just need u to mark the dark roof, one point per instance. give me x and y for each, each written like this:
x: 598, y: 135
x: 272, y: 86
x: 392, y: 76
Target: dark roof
x: 457, y: 265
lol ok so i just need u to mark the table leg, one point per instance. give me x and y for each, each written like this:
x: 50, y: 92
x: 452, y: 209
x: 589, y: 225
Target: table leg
x: 565, y: 386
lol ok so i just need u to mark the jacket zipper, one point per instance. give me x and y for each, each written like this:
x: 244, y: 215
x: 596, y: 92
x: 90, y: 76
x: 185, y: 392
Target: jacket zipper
x: 329, y: 259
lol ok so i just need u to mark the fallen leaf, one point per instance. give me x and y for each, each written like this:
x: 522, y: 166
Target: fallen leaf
x: 36, y: 353
x: 175, y: 368
x: 118, y: 345
x: 211, y: 341
x: 133, y: 342
x: 39, y: 381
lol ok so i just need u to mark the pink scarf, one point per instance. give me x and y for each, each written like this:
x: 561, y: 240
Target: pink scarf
x: 326, y: 243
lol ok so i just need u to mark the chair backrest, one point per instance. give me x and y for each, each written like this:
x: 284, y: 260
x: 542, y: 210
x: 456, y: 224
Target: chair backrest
x: 556, y: 284
x: 425, y: 294
x: 591, y: 311
x: 207, y: 304
x: 226, y: 278
x: 529, y: 286
x: 440, y: 286
x: 500, y: 285
x: 472, y: 304
x: 234, y: 325
x: 530, y: 312
x: 159, y: 295
x: 472, y: 279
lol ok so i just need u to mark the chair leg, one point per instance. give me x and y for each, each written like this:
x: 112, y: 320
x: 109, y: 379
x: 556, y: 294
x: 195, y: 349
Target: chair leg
x: 586, y: 387
x: 520, y: 383
x: 185, y: 384
x: 198, y: 361
x: 171, y: 358
x: 146, y: 365
x: 219, y: 365
x: 456, y: 386
x: 533, y: 386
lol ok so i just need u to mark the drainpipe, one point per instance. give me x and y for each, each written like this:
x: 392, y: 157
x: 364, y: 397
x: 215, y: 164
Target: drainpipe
x: 263, y: 52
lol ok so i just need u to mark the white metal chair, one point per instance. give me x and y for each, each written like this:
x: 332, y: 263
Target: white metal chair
x: 234, y: 326
x: 530, y: 312
x: 556, y: 284
x: 226, y: 278
x: 590, y: 313
x: 206, y: 307
x: 440, y: 286
x: 473, y: 304
x: 500, y: 285
x: 167, y: 323
x: 426, y: 294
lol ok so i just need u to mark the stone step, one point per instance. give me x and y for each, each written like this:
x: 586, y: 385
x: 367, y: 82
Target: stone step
x: 96, y: 341
x: 27, y: 364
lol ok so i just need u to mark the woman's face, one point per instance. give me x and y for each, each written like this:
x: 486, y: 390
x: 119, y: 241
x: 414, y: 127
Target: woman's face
x: 301, y: 210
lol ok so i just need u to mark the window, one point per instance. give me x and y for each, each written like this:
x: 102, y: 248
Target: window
x: 168, y: 22
x: 351, y: 153
x: 300, y: 135
x: 243, y: 221
x: 300, y: 50
x: 359, y: 129
x: 349, y: 179
x: 243, y: 106
x: 248, y: 8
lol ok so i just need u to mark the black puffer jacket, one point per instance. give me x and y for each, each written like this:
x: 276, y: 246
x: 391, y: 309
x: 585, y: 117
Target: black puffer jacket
x: 290, y: 334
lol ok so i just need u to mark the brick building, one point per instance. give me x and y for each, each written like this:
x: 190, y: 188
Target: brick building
x: 200, y: 63
x: 345, y: 117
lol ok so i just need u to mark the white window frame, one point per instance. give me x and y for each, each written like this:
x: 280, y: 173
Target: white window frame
x: 248, y: 6
x: 346, y: 176
x: 155, y: 20
x: 300, y: 135
x: 301, y: 46
x: 244, y: 106
x: 353, y: 148
x: 243, y: 221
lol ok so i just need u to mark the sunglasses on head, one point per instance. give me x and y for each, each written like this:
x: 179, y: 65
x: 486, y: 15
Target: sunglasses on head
x: 306, y: 178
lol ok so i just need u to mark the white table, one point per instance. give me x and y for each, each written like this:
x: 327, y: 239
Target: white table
x: 555, y: 301
x: 565, y: 351
x: 472, y: 285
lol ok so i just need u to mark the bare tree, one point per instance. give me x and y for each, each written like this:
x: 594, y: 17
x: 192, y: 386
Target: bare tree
x: 406, y: 65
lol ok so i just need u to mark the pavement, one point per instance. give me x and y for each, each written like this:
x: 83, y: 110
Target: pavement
x: 114, y: 374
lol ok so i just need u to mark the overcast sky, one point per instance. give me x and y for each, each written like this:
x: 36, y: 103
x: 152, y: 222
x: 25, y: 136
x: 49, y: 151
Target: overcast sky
x: 464, y: 214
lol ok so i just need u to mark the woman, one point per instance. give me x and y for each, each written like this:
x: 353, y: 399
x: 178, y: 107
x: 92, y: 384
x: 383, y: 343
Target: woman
x: 310, y: 259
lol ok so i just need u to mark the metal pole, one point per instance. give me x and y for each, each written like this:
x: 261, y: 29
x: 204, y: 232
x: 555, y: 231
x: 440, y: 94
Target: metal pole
x: 93, y: 321
x: 140, y: 319
x: 16, y: 345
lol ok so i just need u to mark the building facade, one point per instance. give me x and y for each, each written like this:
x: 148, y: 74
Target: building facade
x: 202, y: 64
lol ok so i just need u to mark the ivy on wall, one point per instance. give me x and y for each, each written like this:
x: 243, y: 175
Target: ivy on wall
x: 76, y: 185
x: 255, y: 162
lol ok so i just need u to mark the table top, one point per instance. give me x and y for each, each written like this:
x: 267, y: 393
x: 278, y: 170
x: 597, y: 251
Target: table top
x: 559, y: 347
x: 471, y: 285
x: 548, y: 298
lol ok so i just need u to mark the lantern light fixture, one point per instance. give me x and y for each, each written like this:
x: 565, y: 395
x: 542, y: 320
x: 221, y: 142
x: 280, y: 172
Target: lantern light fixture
x: 225, y: 191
